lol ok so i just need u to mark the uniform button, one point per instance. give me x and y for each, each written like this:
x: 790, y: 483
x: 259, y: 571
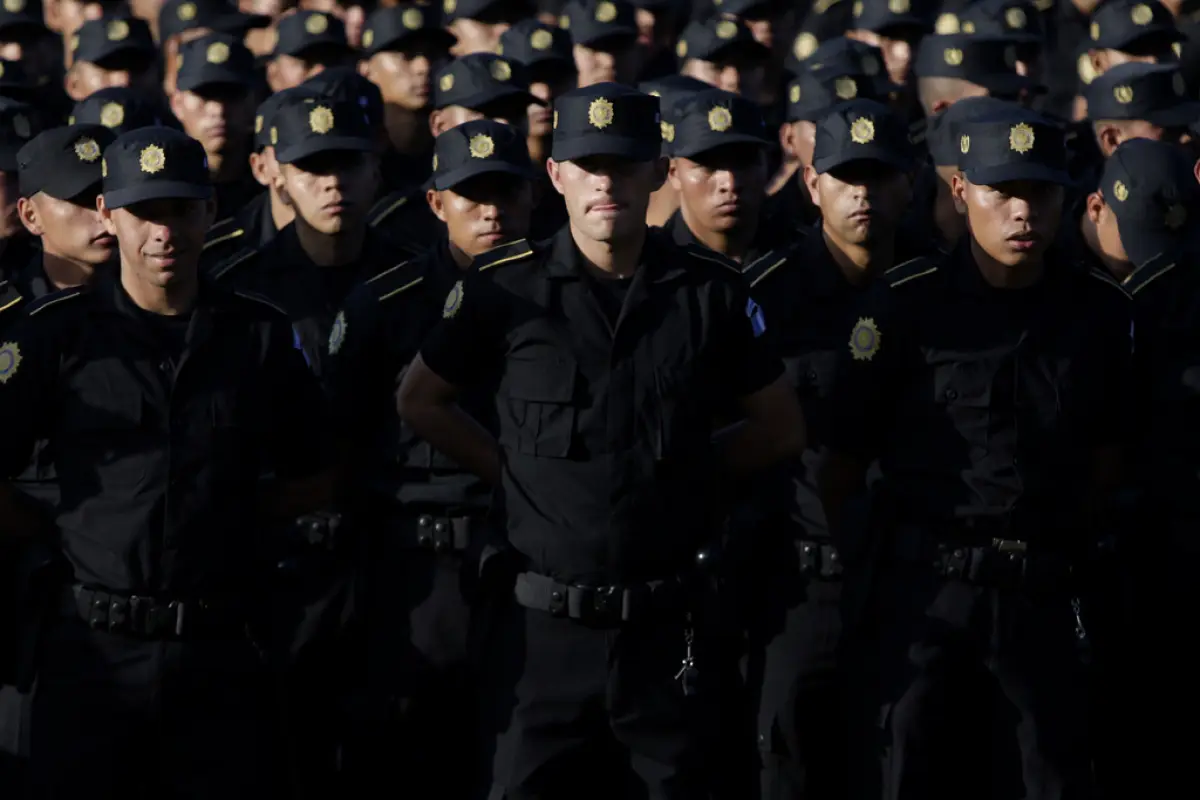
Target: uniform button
x: 958, y: 553
x: 556, y: 595
x: 165, y: 366
x: 811, y: 375
x: 951, y: 394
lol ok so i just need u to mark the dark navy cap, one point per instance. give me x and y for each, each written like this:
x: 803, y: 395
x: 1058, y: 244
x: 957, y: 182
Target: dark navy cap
x: 701, y: 121
x: 346, y: 84
x: 669, y: 90
x: 304, y: 31
x: 107, y: 39
x: 984, y: 61
x: 15, y: 83
x: 1120, y: 24
x: 717, y: 37
x: 177, y: 16
x: 591, y: 22
x: 479, y: 79
x: 844, y: 56
x: 117, y: 107
x: 1015, y: 20
x: 63, y: 162
x: 476, y: 148
x: 812, y: 94
x: 1156, y: 93
x: 18, y: 124
x: 264, y: 116
x: 389, y: 28
x: 884, y: 15
x: 606, y: 119
x: 941, y: 136
x: 487, y: 10
x: 1012, y: 145
x: 215, y: 59
x: 21, y: 20
x: 532, y: 42
x: 1151, y: 188
x: 154, y: 164
x: 861, y: 130
x: 303, y: 126
x: 826, y: 21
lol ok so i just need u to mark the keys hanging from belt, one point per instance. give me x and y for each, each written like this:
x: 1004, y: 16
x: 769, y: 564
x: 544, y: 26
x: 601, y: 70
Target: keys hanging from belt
x: 688, y: 673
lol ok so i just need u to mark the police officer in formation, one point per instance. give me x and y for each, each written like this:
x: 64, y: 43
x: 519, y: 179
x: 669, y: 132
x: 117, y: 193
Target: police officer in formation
x: 598, y: 398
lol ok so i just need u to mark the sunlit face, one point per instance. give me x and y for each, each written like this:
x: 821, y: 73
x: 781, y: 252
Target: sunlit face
x: 484, y: 211
x: 84, y: 78
x: 723, y: 188
x: 861, y: 202
x: 70, y: 229
x: 405, y: 76
x: 332, y: 191
x: 606, y: 196
x: 739, y: 74
x: 611, y: 60
x: 288, y: 72
x: 160, y: 241
x: 1012, y: 222
x: 475, y: 36
x: 548, y: 81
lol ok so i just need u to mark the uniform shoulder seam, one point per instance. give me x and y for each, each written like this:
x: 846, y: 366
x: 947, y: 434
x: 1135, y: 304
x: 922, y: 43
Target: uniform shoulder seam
x: 385, y: 212
x: 503, y: 254
x: 234, y: 234
x: 234, y: 261
x: 1105, y: 278
x: 50, y: 300
x: 714, y: 258
x: 260, y: 299
x: 9, y: 295
x: 910, y: 270
x: 387, y: 271
x: 1142, y: 278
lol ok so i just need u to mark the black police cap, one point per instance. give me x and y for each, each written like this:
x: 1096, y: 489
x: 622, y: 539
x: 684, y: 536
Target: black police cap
x: 716, y: 38
x: 213, y: 60
x: 592, y: 22
x: 477, y: 80
x: 154, y: 164
x: 487, y: 10
x: 346, y: 84
x: 1015, y: 20
x: 669, y: 90
x: 881, y: 16
x: 479, y: 147
x: 15, y: 83
x: 21, y: 20
x: 304, y: 126
x: 941, y: 134
x: 1152, y: 189
x: 844, y: 56
x: 746, y: 9
x: 18, y: 124
x: 118, y: 108
x: 826, y: 21
x: 107, y: 39
x: 532, y: 42
x: 390, y: 28
x: 1123, y: 24
x: 178, y: 16
x: 264, y: 115
x: 606, y: 119
x: 304, y: 31
x: 861, y: 130
x: 1014, y: 144
x: 984, y: 61
x: 811, y: 95
x: 1156, y: 93
x: 702, y: 121
x: 63, y: 162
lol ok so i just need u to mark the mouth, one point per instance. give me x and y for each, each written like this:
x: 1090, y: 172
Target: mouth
x: 730, y: 208
x: 334, y: 209
x: 863, y: 215
x: 605, y: 208
x: 103, y: 240
x: 492, y: 237
x: 1023, y: 241
x: 164, y: 260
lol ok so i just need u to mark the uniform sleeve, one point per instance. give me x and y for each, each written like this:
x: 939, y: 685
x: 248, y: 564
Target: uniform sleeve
x: 748, y: 362
x: 300, y: 442
x: 29, y: 361
x: 464, y: 344
x: 355, y: 366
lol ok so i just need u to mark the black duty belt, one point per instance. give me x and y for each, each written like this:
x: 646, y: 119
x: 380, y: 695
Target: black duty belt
x: 818, y: 559
x: 155, y: 618
x: 999, y: 562
x: 441, y: 534
x: 602, y: 606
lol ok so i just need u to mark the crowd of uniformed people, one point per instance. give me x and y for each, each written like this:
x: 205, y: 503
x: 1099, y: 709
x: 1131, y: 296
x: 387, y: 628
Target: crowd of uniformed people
x: 710, y: 400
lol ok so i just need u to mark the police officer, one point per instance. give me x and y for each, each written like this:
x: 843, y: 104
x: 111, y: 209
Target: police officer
x: 306, y: 43
x: 111, y: 51
x: 1015, y: 21
x: 1136, y: 100
x: 987, y: 383
x: 664, y: 202
x: 545, y: 52
x: 949, y: 68
x: 896, y: 27
x: 118, y: 108
x: 147, y: 682
x: 1121, y: 31
x: 604, y: 40
x: 183, y: 20
x: 423, y: 512
x: 17, y: 127
x: 478, y: 24
x: 607, y: 343
x: 860, y: 181
x: 722, y: 52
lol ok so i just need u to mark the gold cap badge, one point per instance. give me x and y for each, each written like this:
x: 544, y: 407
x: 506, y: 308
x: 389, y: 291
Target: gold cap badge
x: 541, y: 39
x: 112, y: 115
x: 320, y: 120
x: 952, y: 56
x: 500, y: 70
x: 1094, y: 31
x: 481, y: 146
x: 87, y: 150
x: 186, y: 12
x: 368, y: 37
x: 449, y: 6
x: 117, y: 30
x: 968, y: 27
x: 726, y: 29
x: 794, y: 93
x: 1021, y: 138
x: 412, y: 19
x: 681, y: 48
x: 864, y: 340
x: 446, y: 82
x: 1120, y: 191
x: 600, y: 113
x: 845, y: 88
x: 14, y: 6
x: 946, y: 24
x: 862, y: 130
x: 274, y: 136
x: 258, y: 123
x: 668, y: 131
x: 153, y: 159
x: 1015, y: 18
x: 564, y: 22
x: 10, y: 360
x: 316, y: 24
x: 1123, y: 94
x: 806, y: 44
x: 217, y: 53
x: 964, y: 144
x: 1141, y: 14
x: 719, y: 119
x: 606, y: 12
x: 857, y: 9
x: 899, y: 6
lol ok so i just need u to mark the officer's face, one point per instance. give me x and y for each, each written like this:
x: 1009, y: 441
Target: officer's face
x: 617, y: 60
x: 721, y: 189
x: 67, y: 16
x: 799, y: 139
x: 897, y: 48
x: 1012, y: 222
x: 476, y: 36
x: 738, y: 74
x: 84, y: 78
x: 1108, y: 236
x: 1111, y: 135
x: 160, y: 241
x: 331, y: 192
x: 547, y: 83
x: 288, y: 72
x: 509, y: 111
x: 216, y: 116
x: 484, y: 211
x: 606, y: 196
x: 861, y: 202
x: 69, y: 229
x: 404, y: 76
x: 1104, y: 60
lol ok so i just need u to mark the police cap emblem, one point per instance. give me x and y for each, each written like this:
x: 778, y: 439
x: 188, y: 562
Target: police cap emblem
x: 320, y: 120
x: 720, y: 119
x: 112, y: 115
x: 1021, y: 138
x: 481, y: 146
x: 87, y: 150
x: 600, y: 113
x: 152, y: 159
x: 316, y: 24
x: 862, y: 130
x: 412, y: 19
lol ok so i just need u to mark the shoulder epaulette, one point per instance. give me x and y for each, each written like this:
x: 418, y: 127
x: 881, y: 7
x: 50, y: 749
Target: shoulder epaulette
x: 767, y: 263
x: 394, y: 281
x: 713, y: 257
x: 1105, y: 277
x: 216, y: 234
x: 910, y: 270
x: 385, y: 207
x: 9, y: 296
x: 54, y: 298
x: 503, y: 254
x: 1144, y: 275
x: 258, y: 298
x: 223, y: 269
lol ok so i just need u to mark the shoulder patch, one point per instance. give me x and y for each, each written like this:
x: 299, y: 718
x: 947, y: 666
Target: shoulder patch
x: 503, y: 254
x: 713, y: 257
x: 910, y: 270
x: 260, y: 299
x: 9, y: 296
x: 55, y: 299
x: 1145, y: 275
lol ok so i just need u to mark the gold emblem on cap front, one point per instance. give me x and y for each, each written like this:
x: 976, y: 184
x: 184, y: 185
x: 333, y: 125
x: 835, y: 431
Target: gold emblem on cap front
x: 726, y: 29
x: 500, y: 70
x: 481, y: 146
x: 103, y: 168
x: 862, y: 130
x: 217, y: 53
x: 412, y: 19
x: 1015, y: 18
x: 1120, y: 191
x: 564, y: 22
x: 845, y: 87
x: 794, y: 93
x: 1123, y: 94
x: 449, y: 6
x: 186, y: 12
x: 1176, y: 216
x: 600, y: 113
x: 857, y: 9
x: 681, y: 48
x: 541, y: 39
x: 1021, y: 138
x: 258, y: 123
x: 1141, y: 14
x: 87, y: 150
x: 274, y: 136
x: 968, y: 27
x: 964, y: 144
x: 606, y: 12
x: 117, y: 30
x: 899, y: 6
x: 446, y: 82
x: 112, y: 115
x: 720, y: 119
x: 21, y: 126
x: 368, y: 37
x: 14, y: 6
x: 1094, y: 31
x: 320, y: 120
x: 316, y: 24
x: 953, y: 56
x: 946, y: 24
x: 152, y: 159
x: 667, y: 130
x: 805, y: 45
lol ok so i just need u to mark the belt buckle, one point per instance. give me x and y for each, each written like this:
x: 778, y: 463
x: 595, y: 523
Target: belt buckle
x: 606, y: 602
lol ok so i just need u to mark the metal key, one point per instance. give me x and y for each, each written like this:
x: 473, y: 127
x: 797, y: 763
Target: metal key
x: 688, y: 672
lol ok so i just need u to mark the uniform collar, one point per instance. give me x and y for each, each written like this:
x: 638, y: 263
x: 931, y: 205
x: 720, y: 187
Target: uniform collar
x: 656, y: 264
x: 765, y: 246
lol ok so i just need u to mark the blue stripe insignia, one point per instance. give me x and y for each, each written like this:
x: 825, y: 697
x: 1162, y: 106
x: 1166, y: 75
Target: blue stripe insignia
x: 758, y: 323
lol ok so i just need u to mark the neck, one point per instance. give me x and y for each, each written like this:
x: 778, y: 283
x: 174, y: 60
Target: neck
x: 618, y: 258
x: 733, y: 243
x: 859, y: 264
x: 281, y: 213
x: 1001, y: 276
x: 173, y: 300
x: 461, y: 258
x: 331, y: 250
x: 539, y: 150
x: 63, y: 272
x: 407, y: 130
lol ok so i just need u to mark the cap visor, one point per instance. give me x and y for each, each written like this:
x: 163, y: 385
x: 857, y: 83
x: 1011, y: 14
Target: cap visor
x: 483, y: 167
x: 1186, y: 113
x: 322, y: 144
x: 217, y: 76
x: 238, y: 22
x: 725, y: 139
x: 156, y: 190
x: 479, y: 101
x: 1007, y: 84
x: 599, y: 144
x: 990, y: 176
x: 749, y: 46
x: 68, y: 187
x: 436, y: 36
x: 611, y: 33
x: 327, y: 43
x: 875, y: 154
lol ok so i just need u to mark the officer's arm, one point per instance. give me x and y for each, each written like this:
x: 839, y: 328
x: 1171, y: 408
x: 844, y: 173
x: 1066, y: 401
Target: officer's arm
x: 28, y: 366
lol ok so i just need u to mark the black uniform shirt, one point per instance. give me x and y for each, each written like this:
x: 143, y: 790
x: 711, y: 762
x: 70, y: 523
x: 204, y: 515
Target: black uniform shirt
x: 251, y: 228
x: 375, y: 337
x: 774, y: 239
x: 159, y: 466
x: 981, y: 400
x: 605, y: 429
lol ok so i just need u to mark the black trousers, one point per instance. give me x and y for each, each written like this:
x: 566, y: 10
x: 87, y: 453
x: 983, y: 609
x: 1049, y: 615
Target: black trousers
x: 970, y: 691
x: 597, y: 713
x: 119, y: 717
x: 14, y: 742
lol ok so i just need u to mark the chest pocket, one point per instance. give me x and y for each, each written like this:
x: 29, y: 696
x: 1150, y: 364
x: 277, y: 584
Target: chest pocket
x: 539, y: 417
x: 964, y: 392
x: 108, y: 432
